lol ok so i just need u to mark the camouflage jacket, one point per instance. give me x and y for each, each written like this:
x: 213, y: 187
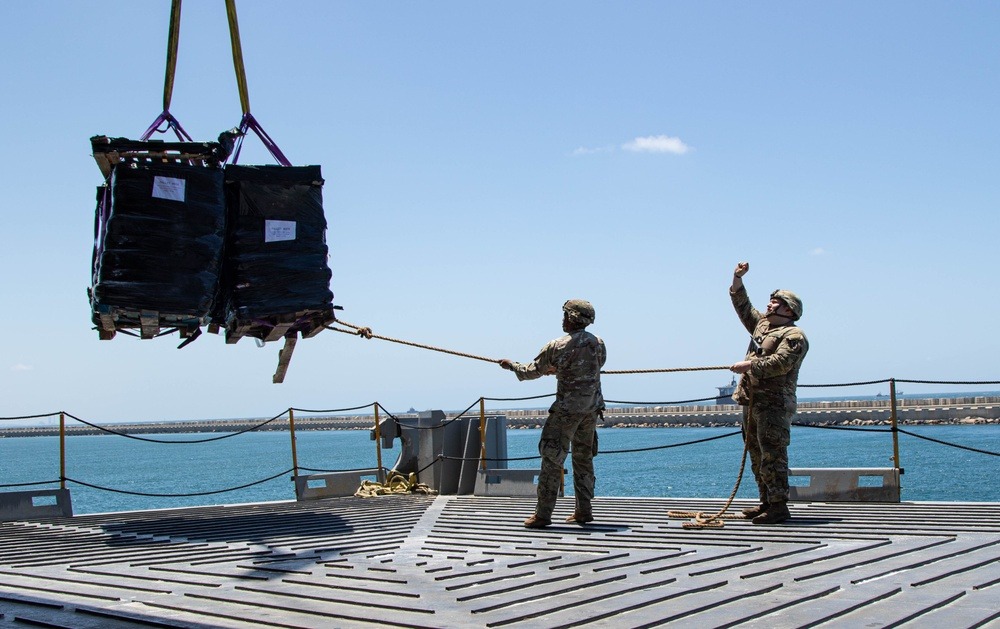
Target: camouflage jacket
x: 575, y: 360
x: 776, y: 353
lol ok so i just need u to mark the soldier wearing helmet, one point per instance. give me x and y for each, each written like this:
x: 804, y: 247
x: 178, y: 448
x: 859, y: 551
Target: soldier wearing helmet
x: 766, y: 390
x: 575, y: 360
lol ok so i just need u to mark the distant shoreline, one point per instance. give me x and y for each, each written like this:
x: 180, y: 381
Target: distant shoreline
x: 975, y: 410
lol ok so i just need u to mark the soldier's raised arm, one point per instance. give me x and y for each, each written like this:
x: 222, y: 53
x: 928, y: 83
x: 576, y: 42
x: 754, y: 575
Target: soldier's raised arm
x: 738, y: 273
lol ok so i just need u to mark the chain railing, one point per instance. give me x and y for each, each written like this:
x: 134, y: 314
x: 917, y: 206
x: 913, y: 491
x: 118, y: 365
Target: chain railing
x: 379, y: 411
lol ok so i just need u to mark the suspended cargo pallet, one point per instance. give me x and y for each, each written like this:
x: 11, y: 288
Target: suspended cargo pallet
x: 159, y: 233
x: 276, y: 279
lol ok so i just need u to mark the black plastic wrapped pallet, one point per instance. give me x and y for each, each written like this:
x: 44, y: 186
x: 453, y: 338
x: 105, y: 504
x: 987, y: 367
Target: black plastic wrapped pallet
x: 159, y: 235
x: 276, y: 274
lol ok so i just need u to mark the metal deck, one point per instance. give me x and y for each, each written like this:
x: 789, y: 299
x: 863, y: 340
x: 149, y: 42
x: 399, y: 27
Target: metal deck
x: 463, y: 561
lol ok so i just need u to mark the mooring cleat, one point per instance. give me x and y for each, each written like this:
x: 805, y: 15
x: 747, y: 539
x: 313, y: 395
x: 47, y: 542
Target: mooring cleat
x: 535, y: 522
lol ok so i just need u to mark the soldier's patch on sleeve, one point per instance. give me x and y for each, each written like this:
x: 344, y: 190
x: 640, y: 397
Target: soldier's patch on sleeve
x: 794, y: 344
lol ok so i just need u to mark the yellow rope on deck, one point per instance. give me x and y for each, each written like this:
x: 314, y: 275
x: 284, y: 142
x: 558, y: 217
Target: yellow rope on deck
x: 395, y: 484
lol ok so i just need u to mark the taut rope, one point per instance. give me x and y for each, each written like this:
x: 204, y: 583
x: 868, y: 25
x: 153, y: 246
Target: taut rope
x: 671, y: 370
x: 366, y: 332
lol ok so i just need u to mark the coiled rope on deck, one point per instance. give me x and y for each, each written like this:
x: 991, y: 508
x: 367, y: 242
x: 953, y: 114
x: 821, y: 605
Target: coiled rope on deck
x: 396, y: 484
x: 699, y: 520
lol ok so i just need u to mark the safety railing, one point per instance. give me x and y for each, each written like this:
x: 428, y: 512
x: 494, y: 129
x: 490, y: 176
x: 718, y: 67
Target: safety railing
x: 328, y: 417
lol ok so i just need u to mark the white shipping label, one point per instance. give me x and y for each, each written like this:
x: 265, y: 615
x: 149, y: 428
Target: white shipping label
x: 169, y: 188
x: 276, y: 231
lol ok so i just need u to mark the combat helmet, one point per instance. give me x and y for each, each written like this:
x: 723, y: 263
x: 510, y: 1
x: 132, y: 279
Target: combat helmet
x: 580, y: 311
x: 791, y: 300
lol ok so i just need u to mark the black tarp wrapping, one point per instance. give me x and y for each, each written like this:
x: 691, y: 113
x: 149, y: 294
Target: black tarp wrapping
x: 276, y: 264
x: 160, y: 230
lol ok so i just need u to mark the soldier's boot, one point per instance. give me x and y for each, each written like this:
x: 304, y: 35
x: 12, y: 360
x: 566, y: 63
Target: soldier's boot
x: 752, y: 512
x: 580, y: 517
x: 776, y: 512
x: 537, y: 522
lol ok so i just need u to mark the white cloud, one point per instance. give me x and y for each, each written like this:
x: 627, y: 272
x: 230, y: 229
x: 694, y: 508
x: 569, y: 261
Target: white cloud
x: 21, y: 367
x: 818, y: 251
x: 656, y: 144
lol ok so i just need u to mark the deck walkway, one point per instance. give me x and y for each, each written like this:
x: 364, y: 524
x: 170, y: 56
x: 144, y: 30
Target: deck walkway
x: 463, y: 561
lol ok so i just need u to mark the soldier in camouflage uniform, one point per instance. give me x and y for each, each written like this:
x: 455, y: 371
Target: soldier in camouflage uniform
x: 575, y: 360
x: 767, y: 392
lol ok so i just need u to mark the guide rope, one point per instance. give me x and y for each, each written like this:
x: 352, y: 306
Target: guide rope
x: 366, y: 332
x: 670, y: 370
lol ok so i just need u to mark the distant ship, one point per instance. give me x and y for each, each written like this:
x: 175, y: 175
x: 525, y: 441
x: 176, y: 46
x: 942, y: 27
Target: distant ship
x: 882, y: 396
x: 726, y: 393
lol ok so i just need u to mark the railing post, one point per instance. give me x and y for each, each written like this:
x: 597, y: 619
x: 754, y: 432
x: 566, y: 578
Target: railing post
x: 295, y: 456
x: 378, y: 445
x: 895, y: 432
x: 62, y: 450
x: 482, y: 434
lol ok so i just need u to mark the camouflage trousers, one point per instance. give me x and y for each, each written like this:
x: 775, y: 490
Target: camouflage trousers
x: 767, y: 431
x: 563, y: 433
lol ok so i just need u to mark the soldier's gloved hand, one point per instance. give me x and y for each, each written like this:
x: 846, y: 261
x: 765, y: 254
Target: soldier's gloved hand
x: 506, y: 364
x: 741, y: 367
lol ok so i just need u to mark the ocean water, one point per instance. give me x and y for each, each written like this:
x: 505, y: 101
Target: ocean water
x: 105, y: 468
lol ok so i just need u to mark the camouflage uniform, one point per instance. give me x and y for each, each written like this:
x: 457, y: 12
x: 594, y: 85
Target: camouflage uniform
x: 767, y: 393
x: 576, y: 360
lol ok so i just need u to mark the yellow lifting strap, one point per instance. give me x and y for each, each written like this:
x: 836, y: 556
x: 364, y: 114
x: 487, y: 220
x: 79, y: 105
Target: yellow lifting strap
x: 173, y: 36
x: 241, y: 73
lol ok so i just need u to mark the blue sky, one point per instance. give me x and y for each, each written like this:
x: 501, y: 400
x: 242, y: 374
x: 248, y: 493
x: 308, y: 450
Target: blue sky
x: 486, y: 161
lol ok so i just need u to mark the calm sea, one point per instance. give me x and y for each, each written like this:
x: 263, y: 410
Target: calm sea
x: 933, y: 471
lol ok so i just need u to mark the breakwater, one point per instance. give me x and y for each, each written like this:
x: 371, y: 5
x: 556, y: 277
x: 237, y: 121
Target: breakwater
x: 954, y: 410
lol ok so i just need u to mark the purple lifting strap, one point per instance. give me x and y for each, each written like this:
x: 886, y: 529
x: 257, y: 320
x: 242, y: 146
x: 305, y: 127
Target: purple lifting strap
x: 250, y: 123
x: 172, y: 123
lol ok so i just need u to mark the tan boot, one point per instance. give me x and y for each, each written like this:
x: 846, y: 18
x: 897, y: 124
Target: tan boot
x: 752, y: 512
x: 579, y: 517
x: 536, y: 522
x: 776, y: 513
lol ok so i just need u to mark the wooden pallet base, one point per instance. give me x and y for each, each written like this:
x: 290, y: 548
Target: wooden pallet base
x: 109, y: 320
x: 307, y: 323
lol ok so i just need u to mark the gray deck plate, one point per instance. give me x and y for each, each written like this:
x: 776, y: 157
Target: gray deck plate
x: 418, y: 561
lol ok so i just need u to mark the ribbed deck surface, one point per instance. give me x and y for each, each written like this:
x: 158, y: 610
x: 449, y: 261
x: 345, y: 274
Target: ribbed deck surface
x: 416, y: 561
